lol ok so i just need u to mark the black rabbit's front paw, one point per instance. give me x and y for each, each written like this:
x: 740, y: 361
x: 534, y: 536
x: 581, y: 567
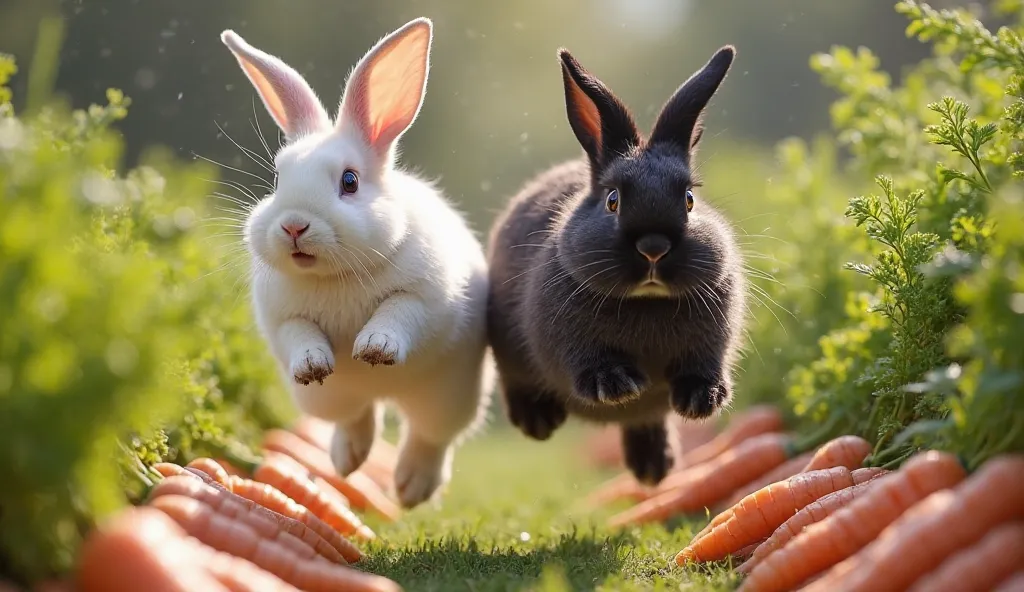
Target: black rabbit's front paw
x: 536, y: 414
x: 646, y: 452
x: 696, y: 397
x: 614, y: 383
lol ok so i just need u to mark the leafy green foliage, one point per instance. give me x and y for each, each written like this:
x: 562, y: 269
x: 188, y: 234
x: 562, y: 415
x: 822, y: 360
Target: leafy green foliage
x: 120, y: 338
x: 932, y: 234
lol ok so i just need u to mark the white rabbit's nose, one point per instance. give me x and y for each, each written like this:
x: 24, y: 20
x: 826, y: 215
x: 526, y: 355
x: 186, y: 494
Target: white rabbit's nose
x: 295, y: 229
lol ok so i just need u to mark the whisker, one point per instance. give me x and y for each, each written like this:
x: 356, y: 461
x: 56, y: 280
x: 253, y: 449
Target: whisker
x: 581, y: 287
x: 237, y: 187
x: 597, y: 308
x: 259, y: 131
x: 531, y: 245
x: 255, y: 157
x: 248, y: 205
x: 230, y: 168
x: 569, y: 272
x: 368, y: 274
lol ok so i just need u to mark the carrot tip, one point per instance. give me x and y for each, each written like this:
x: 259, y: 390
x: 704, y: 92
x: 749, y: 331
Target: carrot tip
x: 685, y: 557
x: 365, y: 533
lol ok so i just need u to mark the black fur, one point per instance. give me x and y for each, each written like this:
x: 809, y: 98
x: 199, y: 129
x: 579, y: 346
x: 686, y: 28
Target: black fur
x: 569, y: 333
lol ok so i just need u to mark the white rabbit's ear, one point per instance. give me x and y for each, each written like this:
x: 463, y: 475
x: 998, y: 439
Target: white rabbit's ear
x: 285, y: 93
x: 385, y: 90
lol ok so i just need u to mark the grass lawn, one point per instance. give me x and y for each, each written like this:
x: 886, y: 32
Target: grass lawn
x: 511, y: 521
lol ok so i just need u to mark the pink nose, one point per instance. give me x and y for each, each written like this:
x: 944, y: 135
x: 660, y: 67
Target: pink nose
x: 295, y: 230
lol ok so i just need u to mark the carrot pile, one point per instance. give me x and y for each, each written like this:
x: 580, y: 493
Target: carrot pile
x: 819, y: 520
x: 285, y: 524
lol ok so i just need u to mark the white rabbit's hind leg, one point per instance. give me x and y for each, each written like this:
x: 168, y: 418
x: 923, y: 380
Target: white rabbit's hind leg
x: 423, y: 468
x: 354, y: 437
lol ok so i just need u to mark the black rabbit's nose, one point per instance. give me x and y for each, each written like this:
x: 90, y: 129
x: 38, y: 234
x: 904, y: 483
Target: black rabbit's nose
x: 653, y: 246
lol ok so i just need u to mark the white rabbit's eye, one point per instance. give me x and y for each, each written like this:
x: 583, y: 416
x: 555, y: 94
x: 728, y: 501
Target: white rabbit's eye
x: 349, y: 182
x: 689, y: 200
x: 612, y: 201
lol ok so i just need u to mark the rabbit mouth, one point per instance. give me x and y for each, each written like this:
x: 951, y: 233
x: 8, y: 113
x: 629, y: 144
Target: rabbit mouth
x: 304, y: 260
x: 650, y: 288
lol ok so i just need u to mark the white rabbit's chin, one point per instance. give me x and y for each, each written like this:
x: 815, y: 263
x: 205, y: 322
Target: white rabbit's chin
x: 304, y: 260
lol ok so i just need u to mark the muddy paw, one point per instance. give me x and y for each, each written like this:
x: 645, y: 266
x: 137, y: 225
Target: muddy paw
x: 378, y: 348
x: 312, y: 365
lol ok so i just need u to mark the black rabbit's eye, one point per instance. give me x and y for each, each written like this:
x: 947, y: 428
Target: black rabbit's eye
x: 349, y: 181
x: 612, y: 201
x: 689, y: 200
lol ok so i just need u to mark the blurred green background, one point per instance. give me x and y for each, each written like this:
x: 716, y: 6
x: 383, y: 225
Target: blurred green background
x: 494, y: 112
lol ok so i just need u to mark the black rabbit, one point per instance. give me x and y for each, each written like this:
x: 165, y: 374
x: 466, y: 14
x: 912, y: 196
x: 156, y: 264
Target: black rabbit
x: 615, y: 294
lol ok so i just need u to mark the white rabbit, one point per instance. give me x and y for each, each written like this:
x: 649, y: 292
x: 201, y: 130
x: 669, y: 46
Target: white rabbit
x: 366, y: 283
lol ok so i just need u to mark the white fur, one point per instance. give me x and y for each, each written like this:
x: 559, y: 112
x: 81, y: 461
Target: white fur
x: 398, y: 275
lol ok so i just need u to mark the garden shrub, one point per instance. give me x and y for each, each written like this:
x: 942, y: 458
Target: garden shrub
x: 125, y: 336
x: 945, y: 148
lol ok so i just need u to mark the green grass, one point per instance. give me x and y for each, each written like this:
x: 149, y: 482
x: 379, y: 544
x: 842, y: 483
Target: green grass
x: 511, y: 520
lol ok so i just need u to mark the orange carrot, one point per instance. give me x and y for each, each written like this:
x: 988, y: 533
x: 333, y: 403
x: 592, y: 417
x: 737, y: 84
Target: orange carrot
x: 980, y: 567
x: 1015, y: 583
x: 809, y: 514
x: 211, y: 468
x: 230, y: 468
x: 844, y: 451
x: 140, y: 549
x: 757, y: 420
x: 237, y: 574
x: 695, y: 489
x: 761, y: 512
x: 688, y: 435
x: 747, y: 551
x: 314, y: 430
x: 842, y: 534
x: 267, y: 523
x: 325, y: 487
x: 230, y: 536
x: 172, y: 470
x: 923, y: 537
x: 782, y: 472
x: 195, y: 516
x: 623, y: 486
x: 319, y: 463
x: 602, y: 447
x: 294, y: 518
x: 271, y: 498
x: 286, y: 474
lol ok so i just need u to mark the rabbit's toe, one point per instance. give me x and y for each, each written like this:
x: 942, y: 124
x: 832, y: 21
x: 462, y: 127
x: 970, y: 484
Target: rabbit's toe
x: 646, y: 452
x: 616, y: 383
x: 312, y: 365
x: 696, y: 397
x: 536, y: 415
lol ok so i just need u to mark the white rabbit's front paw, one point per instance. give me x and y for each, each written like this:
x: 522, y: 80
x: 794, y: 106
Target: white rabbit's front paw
x: 312, y: 365
x: 378, y: 347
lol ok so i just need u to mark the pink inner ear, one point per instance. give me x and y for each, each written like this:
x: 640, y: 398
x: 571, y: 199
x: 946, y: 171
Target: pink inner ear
x: 388, y: 88
x: 286, y: 95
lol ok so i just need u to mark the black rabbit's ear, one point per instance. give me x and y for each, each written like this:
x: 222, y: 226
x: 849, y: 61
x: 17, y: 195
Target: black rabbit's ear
x: 601, y: 122
x: 680, y: 118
